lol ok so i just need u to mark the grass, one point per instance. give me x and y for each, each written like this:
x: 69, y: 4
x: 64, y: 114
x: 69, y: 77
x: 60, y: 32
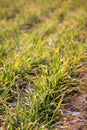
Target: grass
x: 43, y: 49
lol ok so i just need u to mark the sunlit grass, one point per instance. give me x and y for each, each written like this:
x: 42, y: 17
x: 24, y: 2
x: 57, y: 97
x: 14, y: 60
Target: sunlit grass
x: 43, y: 47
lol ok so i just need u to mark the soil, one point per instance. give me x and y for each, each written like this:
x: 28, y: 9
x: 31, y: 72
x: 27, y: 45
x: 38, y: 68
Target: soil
x: 75, y: 111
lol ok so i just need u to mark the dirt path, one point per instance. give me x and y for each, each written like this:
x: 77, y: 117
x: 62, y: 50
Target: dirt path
x: 75, y: 112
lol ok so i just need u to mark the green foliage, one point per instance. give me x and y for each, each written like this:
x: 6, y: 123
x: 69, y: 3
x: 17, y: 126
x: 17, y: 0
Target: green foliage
x: 42, y: 45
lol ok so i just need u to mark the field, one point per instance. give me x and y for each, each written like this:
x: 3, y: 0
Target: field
x: 43, y: 62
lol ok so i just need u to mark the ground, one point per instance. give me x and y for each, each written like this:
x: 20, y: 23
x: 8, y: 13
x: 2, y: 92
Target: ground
x: 75, y: 111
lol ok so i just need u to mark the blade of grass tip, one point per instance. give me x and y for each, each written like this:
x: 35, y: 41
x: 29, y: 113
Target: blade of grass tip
x: 3, y: 102
x: 58, y: 106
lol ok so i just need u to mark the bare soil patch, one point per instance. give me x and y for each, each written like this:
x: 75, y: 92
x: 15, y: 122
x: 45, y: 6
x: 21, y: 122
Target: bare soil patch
x: 75, y: 111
